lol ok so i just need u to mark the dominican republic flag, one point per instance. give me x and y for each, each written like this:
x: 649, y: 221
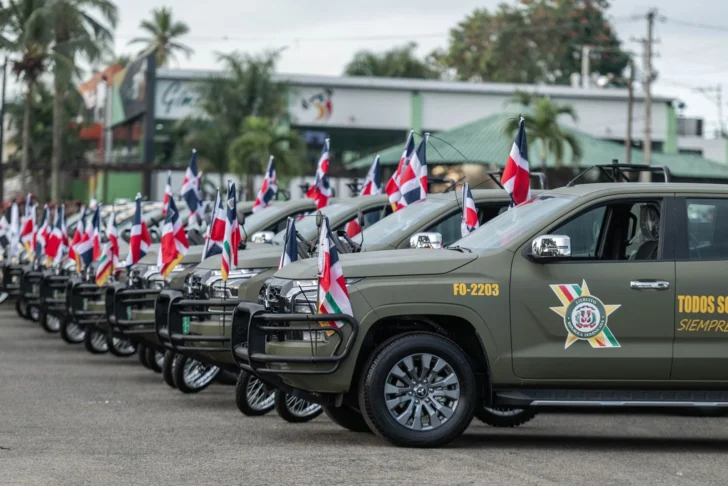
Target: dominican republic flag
x: 105, y: 266
x: 14, y: 230
x: 413, y: 184
x: 28, y: 229
x: 167, y: 193
x: 85, y: 249
x: 469, y: 221
x: 80, y: 230
x: 44, y: 231
x: 215, y: 230
x: 353, y: 228
x: 392, y: 188
x: 269, y: 188
x: 174, y: 240
x: 320, y: 191
x: 333, y: 297
x: 58, y: 240
x: 373, y: 182
x: 139, y: 239
x: 191, y: 191
x: 4, y: 231
x: 112, y: 235
x: 290, y: 248
x: 232, y: 234
x: 516, y: 178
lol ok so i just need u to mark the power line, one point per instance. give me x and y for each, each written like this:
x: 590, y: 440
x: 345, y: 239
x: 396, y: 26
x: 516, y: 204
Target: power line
x: 721, y: 28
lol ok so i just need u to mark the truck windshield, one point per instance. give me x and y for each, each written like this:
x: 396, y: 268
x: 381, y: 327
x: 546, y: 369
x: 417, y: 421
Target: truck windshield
x: 257, y: 221
x: 383, y: 231
x: 306, y: 226
x: 510, y: 225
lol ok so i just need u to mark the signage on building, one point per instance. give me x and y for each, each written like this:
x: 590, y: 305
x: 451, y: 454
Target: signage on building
x: 176, y: 99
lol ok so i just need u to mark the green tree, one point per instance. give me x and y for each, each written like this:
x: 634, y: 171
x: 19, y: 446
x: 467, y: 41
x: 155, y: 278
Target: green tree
x: 399, y: 62
x: 538, y: 41
x: 542, y: 127
x: 27, y: 40
x: 259, y: 139
x: 77, y: 33
x: 163, y: 36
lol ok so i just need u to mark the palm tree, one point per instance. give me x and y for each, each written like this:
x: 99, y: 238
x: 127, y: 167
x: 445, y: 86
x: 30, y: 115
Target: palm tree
x: 259, y: 139
x: 542, y: 125
x: 27, y: 39
x: 163, y: 34
x: 76, y: 33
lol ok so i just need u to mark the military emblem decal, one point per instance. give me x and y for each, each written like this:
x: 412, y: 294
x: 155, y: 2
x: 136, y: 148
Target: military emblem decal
x: 585, y: 316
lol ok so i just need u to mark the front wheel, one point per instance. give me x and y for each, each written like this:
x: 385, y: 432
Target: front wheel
x: 167, y: 367
x: 155, y: 359
x: 192, y: 376
x: 296, y: 410
x: 21, y: 307
x: 252, y: 396
x: 348, y: 418
x: 418, y: 391
x: 505, y: 417
x: 121, y: 347
x: 34, y: 313
x: 49, y: 322
x: 142, y: 352
x: 71, y: 332
x: 95, y: 342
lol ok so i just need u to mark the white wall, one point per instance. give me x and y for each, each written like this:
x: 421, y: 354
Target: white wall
x: 713, y: 149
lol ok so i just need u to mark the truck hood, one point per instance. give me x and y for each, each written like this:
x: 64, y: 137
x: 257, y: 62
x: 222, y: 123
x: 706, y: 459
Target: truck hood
x: 385, y: 263
x: 262, y: 256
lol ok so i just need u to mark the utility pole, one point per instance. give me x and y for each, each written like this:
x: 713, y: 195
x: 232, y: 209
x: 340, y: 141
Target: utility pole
x: 2, y: 131
x: 585, y: 65
x: 648, y: 78
x: 718, y: 100
x: 630, y: 104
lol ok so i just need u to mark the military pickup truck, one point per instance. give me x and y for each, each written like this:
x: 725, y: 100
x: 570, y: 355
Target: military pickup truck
x: 590, y: 295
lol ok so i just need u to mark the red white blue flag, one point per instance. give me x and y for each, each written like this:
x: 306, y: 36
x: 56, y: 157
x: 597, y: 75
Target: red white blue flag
x: 191, y: 191
x: 174, y: 240
x: 28, y: 229
x: 215, y: 230
x: 167, y: 193
x: 290, y: 247
x: 373, y: 182
x: 470, y: 213
x: 232, y: 234
x: 58, y: 239
x: 333, y: 297
x: 139, y: 239
x: 269, y: 188
x: 80, y: 230
x: 393, y: 185
x: 516, y: 177
x: 320, y: 191
x: 413, y: 184
x: 42, y: 235
x: 108, y: 261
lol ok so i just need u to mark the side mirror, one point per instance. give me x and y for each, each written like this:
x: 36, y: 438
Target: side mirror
x: 426, y: 240
x: 262, y: 237
x: 546, y: 247
x: 319, y: 219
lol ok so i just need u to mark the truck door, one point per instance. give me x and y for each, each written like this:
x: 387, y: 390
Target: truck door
x: 701, y: 307
x: 607, y: 312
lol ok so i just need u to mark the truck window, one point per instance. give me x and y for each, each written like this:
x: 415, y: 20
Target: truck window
x: 707, y: 229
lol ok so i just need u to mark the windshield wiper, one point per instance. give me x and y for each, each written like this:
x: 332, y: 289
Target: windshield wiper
x: 461, y: 249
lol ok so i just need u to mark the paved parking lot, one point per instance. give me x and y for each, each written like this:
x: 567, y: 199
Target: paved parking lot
x: 67, y: 417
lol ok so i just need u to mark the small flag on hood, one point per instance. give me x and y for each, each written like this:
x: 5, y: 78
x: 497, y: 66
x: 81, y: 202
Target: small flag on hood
x: 320, y: 191
x: 413, y: 184
x: 393, y: 186
x: 58, y: 240
x: 174, y: 240
x: 215, y: 231
x: 77, y: 235
x: 290, y: 247
x: 191, y: 191
x: 42, y: 235
x: 373, y: 182
x: 269, y: 188
x: 516, y: 178
x: 232, y: 234
x: 469, y: 220
x: 139, y: 239
x: 333, y: 297
x: 28, y: 230
x: 84, y: 249
x: 167, y: 193
x: 5, y: 232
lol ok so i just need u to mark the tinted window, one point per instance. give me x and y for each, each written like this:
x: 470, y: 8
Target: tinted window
x: 584, y: 232
x: 707, y: 229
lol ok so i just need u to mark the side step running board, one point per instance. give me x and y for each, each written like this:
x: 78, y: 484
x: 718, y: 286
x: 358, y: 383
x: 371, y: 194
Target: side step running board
x: 610, y: 398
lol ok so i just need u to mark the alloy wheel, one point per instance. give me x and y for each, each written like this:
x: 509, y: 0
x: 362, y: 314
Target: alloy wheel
x: 259, y: 397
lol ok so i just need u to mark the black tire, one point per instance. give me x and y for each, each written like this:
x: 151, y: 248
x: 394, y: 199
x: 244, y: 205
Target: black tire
x: 48, y: 322
x: 296, y: 410
x: 71, y: 332
x: 246, y: 385
x: 504, y: 417
x: 21, y: 307
x: 180, y: 367
x: 120, y: 347
x: 95, y: 342
x: 34, y: 313
x: 167, y: 365
x: 142, y: 352
x: 394, y: 352
x: 152, y: 361
x: 226, y: 377
x: 348, y: 418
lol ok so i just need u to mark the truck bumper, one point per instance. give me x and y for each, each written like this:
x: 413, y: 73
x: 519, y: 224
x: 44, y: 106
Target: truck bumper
x: 11, y: 280
x: 53, y: 295
x: 84, y: 301
x: 130, y: 312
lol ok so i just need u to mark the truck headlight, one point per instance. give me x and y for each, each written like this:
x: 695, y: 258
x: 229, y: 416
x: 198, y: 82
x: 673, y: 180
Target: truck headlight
x: 224, y: 290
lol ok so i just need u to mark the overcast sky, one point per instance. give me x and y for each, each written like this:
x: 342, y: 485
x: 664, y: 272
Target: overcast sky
x: 320, y: 36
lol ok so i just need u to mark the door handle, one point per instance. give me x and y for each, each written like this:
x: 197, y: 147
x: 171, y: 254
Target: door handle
x: 649, y: 285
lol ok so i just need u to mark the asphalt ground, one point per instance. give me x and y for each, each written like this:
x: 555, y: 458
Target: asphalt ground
x: 69, y: 417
